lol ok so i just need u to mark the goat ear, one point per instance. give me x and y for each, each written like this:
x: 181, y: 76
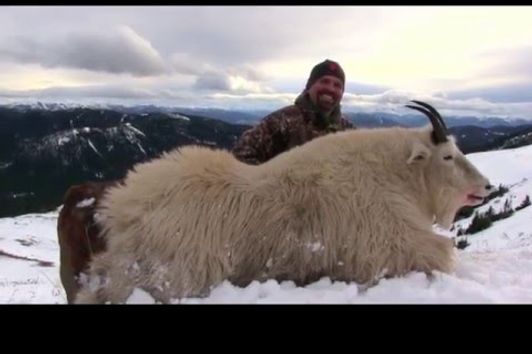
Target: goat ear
x: 418, y: 154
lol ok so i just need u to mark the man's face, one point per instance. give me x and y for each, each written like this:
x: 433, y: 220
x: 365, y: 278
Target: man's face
x: 326, y: 93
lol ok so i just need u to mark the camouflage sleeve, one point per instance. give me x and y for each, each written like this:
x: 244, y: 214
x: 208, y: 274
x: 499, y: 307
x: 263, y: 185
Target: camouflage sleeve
x: 262, y: 142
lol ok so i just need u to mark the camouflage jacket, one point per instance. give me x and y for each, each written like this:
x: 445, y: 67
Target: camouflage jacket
x: 286, y: 128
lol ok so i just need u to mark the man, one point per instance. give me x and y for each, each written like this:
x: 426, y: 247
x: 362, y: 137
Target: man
x: 316, y: 112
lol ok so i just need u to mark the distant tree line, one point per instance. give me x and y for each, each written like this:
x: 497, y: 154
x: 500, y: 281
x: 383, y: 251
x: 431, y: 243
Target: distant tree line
x: 467, y: 211
x: 483, y: 220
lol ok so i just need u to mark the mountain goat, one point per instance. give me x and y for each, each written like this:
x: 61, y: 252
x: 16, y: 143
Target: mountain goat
x: 353, y: 206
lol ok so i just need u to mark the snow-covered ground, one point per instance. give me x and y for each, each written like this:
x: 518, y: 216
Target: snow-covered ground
x: 26, y: 281
x: 495, y: 268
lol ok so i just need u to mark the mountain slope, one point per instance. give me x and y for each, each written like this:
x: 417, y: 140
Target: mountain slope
x: 45, y: 152
x: 495, y: 268
x: 46, y: 149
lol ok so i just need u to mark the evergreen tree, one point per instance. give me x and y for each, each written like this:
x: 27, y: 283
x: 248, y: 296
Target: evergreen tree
x: 480, y: 222
x: 462, y: 244
x: 524, y: 203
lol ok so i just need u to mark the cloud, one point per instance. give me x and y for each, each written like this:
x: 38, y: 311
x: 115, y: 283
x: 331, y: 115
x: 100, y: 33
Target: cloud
x: 243, y: 78
x: 119, y: 51
x: 248, y: 72
x: 251, y: 56
x: 505, y: 61
x: 362, y: 88
x: 92, y: 91
x: 184, y: 63
x: 504, y: 76
x: 221, y: 34
x: 213, y: 81
x: 224, y: 82
x: 503, y: 94
x: 391, y: 101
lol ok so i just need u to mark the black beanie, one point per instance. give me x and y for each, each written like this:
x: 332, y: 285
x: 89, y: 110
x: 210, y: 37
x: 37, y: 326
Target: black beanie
x: 327, y: 67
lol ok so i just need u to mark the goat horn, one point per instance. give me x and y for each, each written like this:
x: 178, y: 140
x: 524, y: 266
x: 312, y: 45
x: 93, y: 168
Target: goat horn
x: 433, y: 111
x: 439, y: 134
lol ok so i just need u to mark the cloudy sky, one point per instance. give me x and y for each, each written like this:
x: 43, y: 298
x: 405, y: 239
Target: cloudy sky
x: 465, y: 60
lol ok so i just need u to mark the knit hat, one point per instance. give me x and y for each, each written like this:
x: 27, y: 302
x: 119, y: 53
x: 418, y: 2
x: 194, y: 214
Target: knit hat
x: 327, y: 67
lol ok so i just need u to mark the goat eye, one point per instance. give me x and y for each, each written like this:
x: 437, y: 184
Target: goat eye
x: 448, y: 157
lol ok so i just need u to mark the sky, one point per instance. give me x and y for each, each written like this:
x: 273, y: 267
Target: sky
x: 495, y: 268
x: 466, y: 60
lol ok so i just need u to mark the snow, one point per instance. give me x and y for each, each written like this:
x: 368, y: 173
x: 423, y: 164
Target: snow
x: 142, y: 149
x: 63, y: 140
x: 505, y: 166
x: 178, y: 116
x: 85, y: 203
x: 139, y: 296
x: 504, y: 236
x: 94, y: 147
x: 131, y: 127
x: 23, y: 281
x: 495, y: 268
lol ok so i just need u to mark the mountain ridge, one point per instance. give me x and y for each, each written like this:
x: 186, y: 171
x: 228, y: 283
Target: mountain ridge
x: 43, y: 152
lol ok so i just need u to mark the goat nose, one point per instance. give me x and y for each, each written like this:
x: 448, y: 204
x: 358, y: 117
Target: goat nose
x: 489, y: 187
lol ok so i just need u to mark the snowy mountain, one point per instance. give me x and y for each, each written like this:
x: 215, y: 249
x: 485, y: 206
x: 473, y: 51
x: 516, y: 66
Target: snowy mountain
x: 47, y: 147
x: 518, y: 139
x: 475, y: 139
x: 43, y: 152
x: 384, y: 119
x: 250, y: 117
x: 496, y: 267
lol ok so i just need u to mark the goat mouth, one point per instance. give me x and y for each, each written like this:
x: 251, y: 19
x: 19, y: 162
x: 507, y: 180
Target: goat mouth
x: 474, y: 199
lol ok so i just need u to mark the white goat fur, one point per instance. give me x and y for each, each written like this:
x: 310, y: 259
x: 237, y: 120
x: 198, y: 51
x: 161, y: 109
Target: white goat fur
x: 353, y: 206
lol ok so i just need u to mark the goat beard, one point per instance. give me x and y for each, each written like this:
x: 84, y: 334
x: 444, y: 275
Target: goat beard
x: 446, y: 208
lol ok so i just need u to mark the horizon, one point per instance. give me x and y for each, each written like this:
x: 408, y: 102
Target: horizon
x: 260, y: 113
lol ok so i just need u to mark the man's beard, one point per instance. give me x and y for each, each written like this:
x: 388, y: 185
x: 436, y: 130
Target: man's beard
x: 326, y: 101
